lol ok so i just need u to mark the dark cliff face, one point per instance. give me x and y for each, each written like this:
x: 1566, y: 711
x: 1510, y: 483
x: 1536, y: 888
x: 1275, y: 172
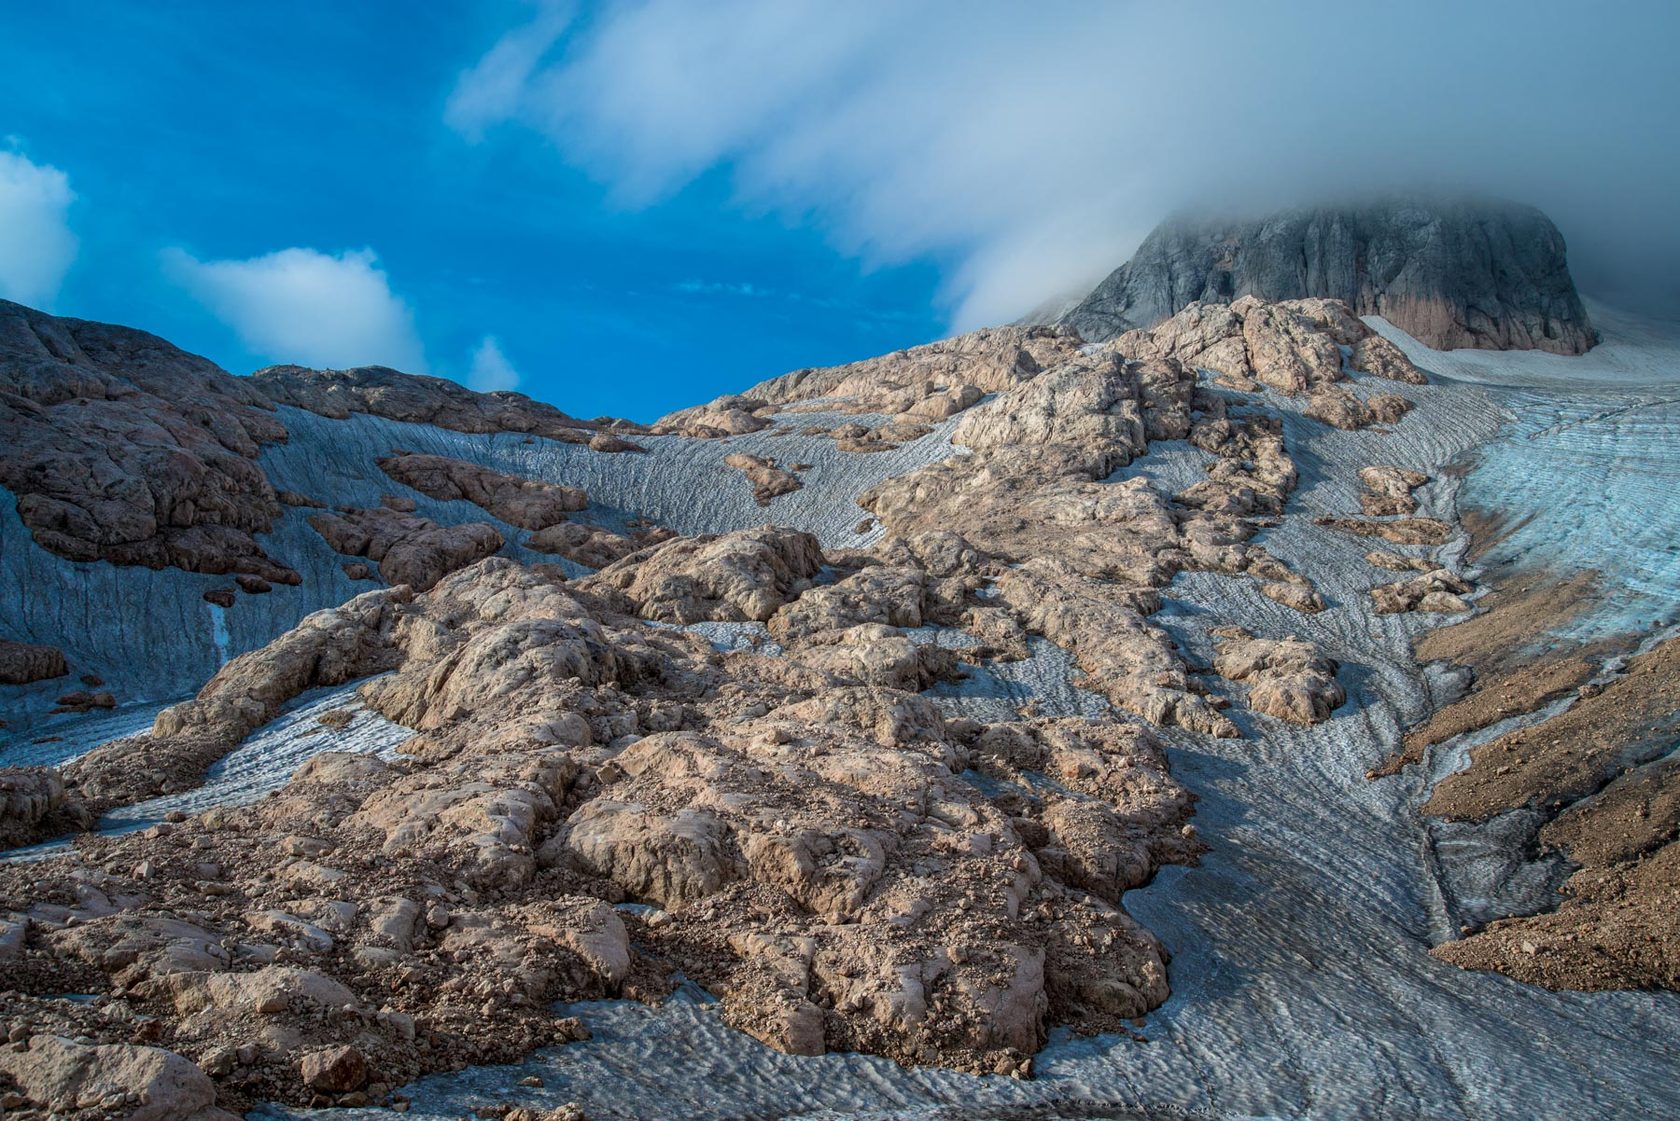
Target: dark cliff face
x: 1465, y: 273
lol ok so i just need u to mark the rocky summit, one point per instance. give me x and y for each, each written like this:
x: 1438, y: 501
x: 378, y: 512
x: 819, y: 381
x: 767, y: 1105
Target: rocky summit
x: 1126, y: 700
x: 1449, y: 272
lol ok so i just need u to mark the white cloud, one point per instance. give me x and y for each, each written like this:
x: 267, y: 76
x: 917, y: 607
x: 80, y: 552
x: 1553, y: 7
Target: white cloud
x: 308, y: 307
x: 36, y: 245
x: 1027, y: 150
x: 491, y: 370
x: 492, y: 90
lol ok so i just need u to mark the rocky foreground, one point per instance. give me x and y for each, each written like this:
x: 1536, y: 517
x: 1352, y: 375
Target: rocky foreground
x: 713, y: 758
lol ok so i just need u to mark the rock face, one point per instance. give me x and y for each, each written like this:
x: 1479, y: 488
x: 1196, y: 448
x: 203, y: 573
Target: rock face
x: 1452, y: 273
x: 121, y: 447
x: 526, y: 503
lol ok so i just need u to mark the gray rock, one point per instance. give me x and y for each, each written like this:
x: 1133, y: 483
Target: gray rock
x: 1451, y: 272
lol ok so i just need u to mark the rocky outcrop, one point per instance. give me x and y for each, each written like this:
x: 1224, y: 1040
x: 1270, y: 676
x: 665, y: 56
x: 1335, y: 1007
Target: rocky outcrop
x: 731, y: 415
x: 1452, y: 273
x: 593, y: 546
x: 408, y: 549
x: 1084, y: 558
x: 766, y: 478
x: 877, y: 438
x: 23, y: 662
x: 735, y: 577
x: 525, y: 503
x: 120, y: 447
x: 1286, y: 678
x: 417, y: 399
x: 1388, y: 490
x: 806, y: 838
x: 1437, y: 589
x: 1399, y: 531
x: 327, y: 647
x: 1295, y: 347
x: 35, y: 804
x: 933, y: 381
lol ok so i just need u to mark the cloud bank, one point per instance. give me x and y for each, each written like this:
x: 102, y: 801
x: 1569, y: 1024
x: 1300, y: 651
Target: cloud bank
x: 36, y: 244
x: 491, y: 371
x: 307, y: 307
x: 1029, y: 149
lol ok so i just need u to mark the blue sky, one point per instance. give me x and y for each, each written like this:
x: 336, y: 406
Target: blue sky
x: 232, y: 131
x: 626, y: 206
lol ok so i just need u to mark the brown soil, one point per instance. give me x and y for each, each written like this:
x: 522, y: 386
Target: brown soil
x: 1574, y: 755
x: 1608, y: 770
x: 1518, y: 664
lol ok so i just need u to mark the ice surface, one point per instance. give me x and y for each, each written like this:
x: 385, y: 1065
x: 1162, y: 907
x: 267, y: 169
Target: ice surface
x: 263, y: 762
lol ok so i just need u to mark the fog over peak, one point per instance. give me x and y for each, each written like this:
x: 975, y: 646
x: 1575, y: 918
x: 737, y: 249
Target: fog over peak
x: 1029, y: 150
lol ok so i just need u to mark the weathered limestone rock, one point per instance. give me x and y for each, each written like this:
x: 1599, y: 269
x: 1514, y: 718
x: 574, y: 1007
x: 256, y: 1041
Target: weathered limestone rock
x: 1435, y: 590
x: 124, y: 1081
x: 1093, y: 403
x: 334, y: 1070
x: 1400, y: 531
x: 22, y: 663
x: 806, y: 827
x: 736, y: 577
x: 593, y: 546
x: 933, y: 381
x: 409, y: 549
x: 1339, y: 408
x: 1287, y: 678
x: 381, y: 391
x: 1388, y: 490
x: 327, y: 648
x: 731, y: 415
x: 525, y: 503
x: 862, y: 439
x: 122, y: 448
x: 767, y: 479
x: 1294, y: 347
x: 34, y: 804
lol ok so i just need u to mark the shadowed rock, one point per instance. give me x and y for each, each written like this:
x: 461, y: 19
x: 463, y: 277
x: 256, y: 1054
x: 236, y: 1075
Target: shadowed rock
x: 1452, y: 273
x: 526, y: 503
x: 121, y: 447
